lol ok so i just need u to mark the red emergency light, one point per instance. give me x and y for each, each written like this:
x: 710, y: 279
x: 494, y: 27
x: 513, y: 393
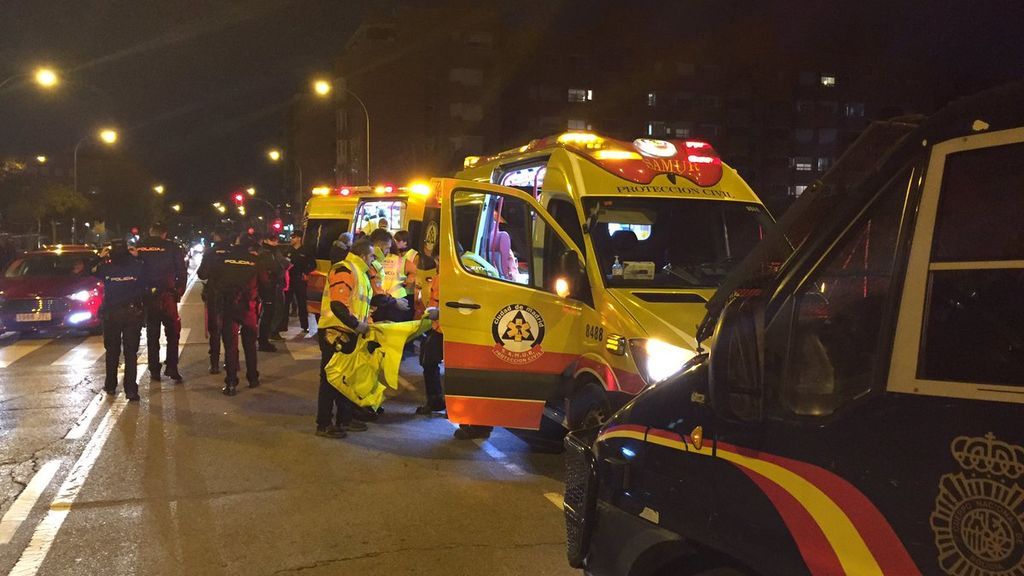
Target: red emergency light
x: 239, y: 198
x: 345, y: 191
x: 276, y: 225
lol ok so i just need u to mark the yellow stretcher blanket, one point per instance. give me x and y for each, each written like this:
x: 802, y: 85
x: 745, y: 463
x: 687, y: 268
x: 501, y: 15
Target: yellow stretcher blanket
x: 376, y: 358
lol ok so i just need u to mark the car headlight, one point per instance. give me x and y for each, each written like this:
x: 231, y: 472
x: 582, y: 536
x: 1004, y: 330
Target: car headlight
x: 658, y: 360
x: 80, y: 296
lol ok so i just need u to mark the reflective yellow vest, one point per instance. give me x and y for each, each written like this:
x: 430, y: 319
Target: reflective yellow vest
x: 358, y: 299
x: 393, y: 272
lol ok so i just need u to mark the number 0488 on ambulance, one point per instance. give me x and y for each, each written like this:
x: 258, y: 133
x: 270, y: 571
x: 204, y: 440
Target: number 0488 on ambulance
x: 574, y: 271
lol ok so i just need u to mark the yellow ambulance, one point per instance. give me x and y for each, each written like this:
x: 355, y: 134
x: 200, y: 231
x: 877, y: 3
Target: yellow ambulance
x: 326, y: 215
x: 600, y: 256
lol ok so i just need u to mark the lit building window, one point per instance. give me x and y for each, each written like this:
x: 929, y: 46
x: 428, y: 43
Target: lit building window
x: 657, y: 128
x: 797, y: 190
x: 824, y: 163
x: 803, y: 164
x: 652, y: 98
x: 854, y: 109
x: 828, y: 81
x: 577, y: 124
x: 683, y: 132
x: 580, y: 95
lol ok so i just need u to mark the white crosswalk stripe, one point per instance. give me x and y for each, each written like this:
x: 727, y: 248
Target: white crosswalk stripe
x: 13, y: 352
x: 85, y: 354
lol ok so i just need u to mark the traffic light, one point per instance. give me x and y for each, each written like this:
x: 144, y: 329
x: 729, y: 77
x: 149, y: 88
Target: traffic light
x: 238, y: 198
x: 276, y: 225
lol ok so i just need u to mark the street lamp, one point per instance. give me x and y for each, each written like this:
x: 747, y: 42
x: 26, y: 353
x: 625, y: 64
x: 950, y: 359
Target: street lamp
x: 159, y: 189
x: 44, y: 77
x: 250, y: 191
x: 176, y: 207
x: 274, y: 154
x: 41, y: 159
x: 107, y: 136
x: 323, y: 88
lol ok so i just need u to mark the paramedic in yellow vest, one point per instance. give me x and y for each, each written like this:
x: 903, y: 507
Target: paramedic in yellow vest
x: 395, y: 273
x: 407, y: 265
x: 344, y: 317
x: 380, y: 247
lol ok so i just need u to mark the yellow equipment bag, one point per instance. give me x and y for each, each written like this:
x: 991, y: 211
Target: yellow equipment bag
x: 362, y: 374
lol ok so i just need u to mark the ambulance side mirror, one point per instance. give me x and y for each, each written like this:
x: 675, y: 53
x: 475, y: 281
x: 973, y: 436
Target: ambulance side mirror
x: 572, y: 274
x: 735, y: 370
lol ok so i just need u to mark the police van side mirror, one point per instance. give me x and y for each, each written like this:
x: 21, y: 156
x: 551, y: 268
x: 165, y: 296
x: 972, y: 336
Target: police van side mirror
x: 735, y: 371
x: 571, y: 277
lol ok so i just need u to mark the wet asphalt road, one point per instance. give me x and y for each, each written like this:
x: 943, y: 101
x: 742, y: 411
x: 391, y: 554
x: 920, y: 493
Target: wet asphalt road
x: 189, y: 481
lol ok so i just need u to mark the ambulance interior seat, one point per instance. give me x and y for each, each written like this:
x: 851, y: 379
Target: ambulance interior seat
x: 501, y: 245
x: 624, y: 244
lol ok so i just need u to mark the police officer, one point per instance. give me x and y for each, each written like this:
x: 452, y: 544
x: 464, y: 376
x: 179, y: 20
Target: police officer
x: 123, y: 314
x: 164, y: 274
x: 217, y: 250
x: 302, y: 263
x: 271, y: 291
x: 237, y: 276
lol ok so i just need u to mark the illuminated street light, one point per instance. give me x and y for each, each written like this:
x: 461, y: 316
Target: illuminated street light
x: 108, y: 136
x: 176, y: 207
x: 217, y: 204
x: 322, y: 87
x: 159, y: 189
x: 250, y: 191
x: 41, y: 159
x: 241, y: 210
x: 46, y: 77
x: 274, y: 154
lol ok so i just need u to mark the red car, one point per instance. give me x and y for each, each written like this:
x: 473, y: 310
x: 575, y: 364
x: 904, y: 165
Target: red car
x: 51, y: 289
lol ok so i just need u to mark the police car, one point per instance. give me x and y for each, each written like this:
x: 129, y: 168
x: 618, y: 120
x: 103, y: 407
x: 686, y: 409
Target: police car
x: 858, y: 404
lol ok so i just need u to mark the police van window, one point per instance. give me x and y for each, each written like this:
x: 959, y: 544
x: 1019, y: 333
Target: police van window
x: 974, y: 309
x: 836, y: 341
x: 320, y: 233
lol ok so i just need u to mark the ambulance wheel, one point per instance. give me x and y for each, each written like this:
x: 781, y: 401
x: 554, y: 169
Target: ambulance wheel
x: 587, y: 406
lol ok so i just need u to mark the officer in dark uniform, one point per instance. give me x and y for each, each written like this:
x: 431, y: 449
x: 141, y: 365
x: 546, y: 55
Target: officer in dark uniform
x: 164, y: 273
x: 217, y: 250
x: 123, y: 314
x: 302, y: 263
x: 238, y: 275
x: 271, y: 290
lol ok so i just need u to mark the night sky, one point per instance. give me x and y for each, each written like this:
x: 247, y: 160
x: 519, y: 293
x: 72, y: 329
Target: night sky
x: 199, y: 88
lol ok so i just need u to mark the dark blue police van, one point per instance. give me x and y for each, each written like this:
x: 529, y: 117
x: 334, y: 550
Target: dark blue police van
x: 860, y: 405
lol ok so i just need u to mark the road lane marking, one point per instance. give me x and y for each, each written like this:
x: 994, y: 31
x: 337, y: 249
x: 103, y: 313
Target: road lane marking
x: 14, y: 352
x: 302, y: 351
x: 556, y: 499
x: 46, y: 532
x: 22, y: 507
x: 496, y: 454
x: 405, y: 384
x: 84, y: 355
x: 85, y: 420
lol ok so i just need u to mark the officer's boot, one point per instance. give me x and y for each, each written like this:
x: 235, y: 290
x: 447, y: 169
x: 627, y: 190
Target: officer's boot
x: 173, y: 374
x: 230, y: 388
x: 214, y: 365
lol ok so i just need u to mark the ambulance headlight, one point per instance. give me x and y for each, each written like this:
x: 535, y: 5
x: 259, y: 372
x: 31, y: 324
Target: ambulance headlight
x: 658, y: 360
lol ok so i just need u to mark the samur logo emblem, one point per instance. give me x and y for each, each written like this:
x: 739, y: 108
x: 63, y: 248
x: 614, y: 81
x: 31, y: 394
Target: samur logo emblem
x: 978, y: 519
x: 518, y: 330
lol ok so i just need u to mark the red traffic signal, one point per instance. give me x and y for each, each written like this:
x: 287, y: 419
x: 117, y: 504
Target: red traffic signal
x: 135, y: 230
x: 238, y: 198
x: 276, y: 225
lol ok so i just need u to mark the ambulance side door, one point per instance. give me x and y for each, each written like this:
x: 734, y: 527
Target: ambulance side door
x: 508, y: 335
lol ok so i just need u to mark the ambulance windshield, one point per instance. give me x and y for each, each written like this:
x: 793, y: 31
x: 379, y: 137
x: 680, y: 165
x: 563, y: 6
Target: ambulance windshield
x: 671, y: 243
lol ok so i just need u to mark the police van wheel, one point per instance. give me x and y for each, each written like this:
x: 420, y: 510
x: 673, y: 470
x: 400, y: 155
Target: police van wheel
x: 587, y: 406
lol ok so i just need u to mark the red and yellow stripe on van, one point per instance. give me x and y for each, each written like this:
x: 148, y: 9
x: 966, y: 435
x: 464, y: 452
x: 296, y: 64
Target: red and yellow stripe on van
x: 836, y: 528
